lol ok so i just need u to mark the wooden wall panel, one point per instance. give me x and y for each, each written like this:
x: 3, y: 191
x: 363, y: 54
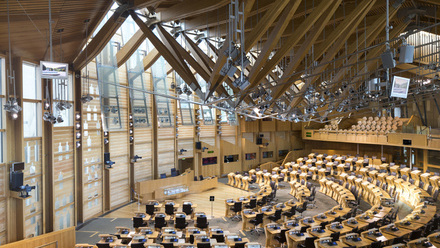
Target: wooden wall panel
x: 268, y: 126
x: 250, y: 147
x: 33, y: 206
x: 188, y: 145
x: 64, y: 178
x: 282, y: 141
x: 213, y: 169
x: 268, y: 138
x: 143, y: 148
x: 283, y: 125
x: 186, y: 132
x: 230, y: 149
x: 249, y: 126
x: 166, y: 150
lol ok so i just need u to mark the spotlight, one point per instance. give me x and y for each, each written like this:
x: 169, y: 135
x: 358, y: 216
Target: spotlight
x: 86, y: 98
x: 46, y: 105
x: 47, y: 116
x: 77, y: 116
x: 78, y: 144
x: 60, y: 119
x: 12, y: 107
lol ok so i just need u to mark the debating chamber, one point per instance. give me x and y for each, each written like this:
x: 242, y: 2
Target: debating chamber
x: 219, y: 123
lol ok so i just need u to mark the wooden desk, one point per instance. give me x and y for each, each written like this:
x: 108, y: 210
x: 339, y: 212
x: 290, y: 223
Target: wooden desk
x: 359, y: 224
x: 326, y: 245
x: 383, y: 238
x: 246, y: 218
x: 413, y: 226
x: 420, y: 243
x: 397, y: 233
x: 434, y: 238
x: 293, y: 240
x: 325, y: 233
x: 342, y: 231
x: 362, y: 243
x: 231, y: 242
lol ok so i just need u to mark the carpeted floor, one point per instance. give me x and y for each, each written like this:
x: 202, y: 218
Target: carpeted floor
x: 88, y: 233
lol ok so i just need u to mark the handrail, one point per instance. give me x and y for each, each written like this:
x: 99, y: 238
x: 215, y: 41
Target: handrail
x: 53, y: 242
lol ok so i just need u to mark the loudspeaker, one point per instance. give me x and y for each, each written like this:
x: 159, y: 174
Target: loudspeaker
x: 16, y: 181
x: 407, y: 142
x: 406, y: 54
x: 198, y: 145
x: 388, y: 60
x: 106, y: 157
x: 259, y: 141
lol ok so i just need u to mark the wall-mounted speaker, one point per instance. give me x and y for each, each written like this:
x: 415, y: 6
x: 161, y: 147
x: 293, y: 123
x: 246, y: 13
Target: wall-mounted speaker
x: 199, y: 145
x: 388, y: 61
x: 406, y: 54
x: 259, y: 141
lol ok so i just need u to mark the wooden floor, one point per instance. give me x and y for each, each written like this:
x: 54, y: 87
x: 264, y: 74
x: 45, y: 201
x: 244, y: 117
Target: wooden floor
x: 221, y: 193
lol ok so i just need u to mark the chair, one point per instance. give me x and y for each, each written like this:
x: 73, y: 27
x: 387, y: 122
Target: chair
x: 159, y: 222
x: 256, y: 222
x: 203, y: 245
x: 187, y: 209
x: 137, y: 245
x: 252, y: 204
x: 398, y: 240
x: 202, y: 222
x: 281, y: 238
x: 219, y: 237
x: 263, y: 201
x: 415, y: 235
x: 291, y: 212
x: 311, y: 199
x: 303, y: 229
x: 376, y: 244
x: 335, y: 236
x: 195, y: 178
x: 139, y: 222
x: 201, y: 177
x: 102, y: 245
x: 181, y: 223
x: 240, y: 245
x: 323, y: 224
x: 276, y: 216
x: 150, y: 209
x: 308, y: 243
x: 433, y: 199
x: 303, y: 208
x: 169, y: 209
x: 167, y: 245
x: 163, y: 175
x: 237, y: 210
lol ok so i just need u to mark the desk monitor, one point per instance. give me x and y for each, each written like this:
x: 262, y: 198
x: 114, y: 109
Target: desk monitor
x: 253, y: 245
x: 220, y: 246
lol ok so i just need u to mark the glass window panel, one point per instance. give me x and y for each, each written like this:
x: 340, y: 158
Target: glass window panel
x: 31, y: 82
x: 108, y: 80
x: 164, y: 109
x: 208, y: 115
x: 31, y: 119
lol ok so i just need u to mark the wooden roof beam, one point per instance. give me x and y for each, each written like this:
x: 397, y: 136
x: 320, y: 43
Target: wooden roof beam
x: 132, y: 45
x: 189, y: 8
x: 101, y: 39
x: 266, y: 21
x: 350, y: 24
x: 257, y: 75
x: 150, y: 59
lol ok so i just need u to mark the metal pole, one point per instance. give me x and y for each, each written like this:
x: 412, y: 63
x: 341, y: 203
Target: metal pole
x: 50, y: 32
